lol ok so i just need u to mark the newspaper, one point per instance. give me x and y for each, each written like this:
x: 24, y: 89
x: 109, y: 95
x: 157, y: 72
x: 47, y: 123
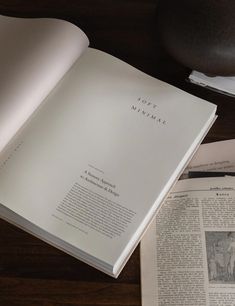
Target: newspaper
x: 188, y: 253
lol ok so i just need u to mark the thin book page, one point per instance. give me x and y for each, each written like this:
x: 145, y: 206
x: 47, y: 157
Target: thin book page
x: 187, y: 255
x: 103, y: 134
x: 216, y: 156
x: 35, y: 54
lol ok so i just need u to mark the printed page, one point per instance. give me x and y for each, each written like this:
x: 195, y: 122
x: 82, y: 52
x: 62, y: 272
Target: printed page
x: 216, y: 156
x: 92, y: 162
x: 35, y: 54
x: 188, y: 254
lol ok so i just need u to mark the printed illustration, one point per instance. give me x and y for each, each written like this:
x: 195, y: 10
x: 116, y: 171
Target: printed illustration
x: 220, y: 248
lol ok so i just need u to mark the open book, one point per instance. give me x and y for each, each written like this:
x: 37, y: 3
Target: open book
x: 89, y: 146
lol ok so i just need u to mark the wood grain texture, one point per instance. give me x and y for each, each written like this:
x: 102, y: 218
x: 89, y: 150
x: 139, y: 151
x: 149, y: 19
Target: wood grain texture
x: 32, y: 272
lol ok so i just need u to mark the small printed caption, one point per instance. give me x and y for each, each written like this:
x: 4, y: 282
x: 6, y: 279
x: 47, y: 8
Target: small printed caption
x: 99, y: 182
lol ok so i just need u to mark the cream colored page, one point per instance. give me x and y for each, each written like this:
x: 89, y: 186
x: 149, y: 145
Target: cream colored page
x: 215, y: 156
x: 148, y: 264
x: 34, y: 56
x: 103, y: 140
x: 183, y: 254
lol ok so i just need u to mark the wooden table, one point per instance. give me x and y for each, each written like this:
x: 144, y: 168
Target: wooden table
x: 34, y: 273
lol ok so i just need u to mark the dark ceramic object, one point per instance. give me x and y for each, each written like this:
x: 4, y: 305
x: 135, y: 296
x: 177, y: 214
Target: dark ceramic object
x: 200, y: 33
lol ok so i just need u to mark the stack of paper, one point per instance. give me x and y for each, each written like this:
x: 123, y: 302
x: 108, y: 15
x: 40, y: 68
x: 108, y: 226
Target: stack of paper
x: 224, y: 85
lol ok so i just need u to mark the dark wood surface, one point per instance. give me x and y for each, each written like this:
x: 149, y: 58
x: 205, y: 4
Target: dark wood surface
x: 34, y: 273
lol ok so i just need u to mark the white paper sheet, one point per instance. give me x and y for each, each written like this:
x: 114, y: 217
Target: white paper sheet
x: 224, y: 85
x: 34, y: 55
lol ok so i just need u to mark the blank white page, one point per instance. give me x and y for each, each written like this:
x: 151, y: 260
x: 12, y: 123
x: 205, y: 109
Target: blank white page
x: 34, y: 56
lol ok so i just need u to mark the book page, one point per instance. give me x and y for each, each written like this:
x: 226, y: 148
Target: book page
x: 35, y: 54
x: 217, y: 156
x: 188, y: 253
x: 95, y: 162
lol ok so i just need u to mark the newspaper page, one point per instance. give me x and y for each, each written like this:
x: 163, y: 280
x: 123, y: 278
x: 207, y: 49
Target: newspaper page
x: 188, y: 254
